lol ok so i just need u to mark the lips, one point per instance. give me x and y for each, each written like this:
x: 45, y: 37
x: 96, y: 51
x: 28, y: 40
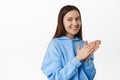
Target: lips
x: 75, y: 28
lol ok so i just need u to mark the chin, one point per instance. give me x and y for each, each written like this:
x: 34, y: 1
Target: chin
x: 75, y: 33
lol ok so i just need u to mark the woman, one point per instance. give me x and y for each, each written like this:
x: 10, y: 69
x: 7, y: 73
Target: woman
x: 68, y: 57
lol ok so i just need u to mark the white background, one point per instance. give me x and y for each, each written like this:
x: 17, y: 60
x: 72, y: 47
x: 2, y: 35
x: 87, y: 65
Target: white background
x: 27, y: 26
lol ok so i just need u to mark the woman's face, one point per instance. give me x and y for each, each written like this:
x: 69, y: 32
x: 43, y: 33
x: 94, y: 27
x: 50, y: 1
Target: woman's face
x: 72, y: 23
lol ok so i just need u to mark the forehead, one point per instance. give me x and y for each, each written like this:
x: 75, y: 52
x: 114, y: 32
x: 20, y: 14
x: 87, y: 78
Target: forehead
x: 72, y: 13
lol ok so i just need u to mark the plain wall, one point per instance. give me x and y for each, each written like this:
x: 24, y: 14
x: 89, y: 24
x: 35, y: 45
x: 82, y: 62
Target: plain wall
x: 27, y: 26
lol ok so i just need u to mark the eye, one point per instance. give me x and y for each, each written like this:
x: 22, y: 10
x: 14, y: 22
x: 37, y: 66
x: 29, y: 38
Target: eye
x: 78, y: 18
x: 69, y: 19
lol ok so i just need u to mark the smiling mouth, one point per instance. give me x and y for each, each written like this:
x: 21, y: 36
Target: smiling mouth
x: 74, y: 28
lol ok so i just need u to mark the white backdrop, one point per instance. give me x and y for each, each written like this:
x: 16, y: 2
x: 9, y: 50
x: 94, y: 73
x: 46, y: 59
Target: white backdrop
x: 26, y: 27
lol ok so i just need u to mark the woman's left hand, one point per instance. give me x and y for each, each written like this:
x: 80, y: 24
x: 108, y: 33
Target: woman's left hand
x: 97, y: 43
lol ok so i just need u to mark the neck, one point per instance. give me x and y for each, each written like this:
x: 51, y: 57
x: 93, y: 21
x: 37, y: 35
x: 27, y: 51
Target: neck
x: 70, y: 36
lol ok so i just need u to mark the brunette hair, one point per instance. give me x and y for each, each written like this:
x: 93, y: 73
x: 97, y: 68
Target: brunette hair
x: 60, y: 30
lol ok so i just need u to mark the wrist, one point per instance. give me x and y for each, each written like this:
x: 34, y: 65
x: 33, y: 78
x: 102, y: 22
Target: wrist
x: 78, y: 58
x: 87, y: 59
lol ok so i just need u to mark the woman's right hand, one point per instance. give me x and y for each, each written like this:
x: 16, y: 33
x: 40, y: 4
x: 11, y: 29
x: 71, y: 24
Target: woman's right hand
x: 87, y: 50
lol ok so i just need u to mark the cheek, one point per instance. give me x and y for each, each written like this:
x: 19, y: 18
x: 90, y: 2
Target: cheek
x: 66, y: 27
x: 79, y: 24
x: 66, y: 24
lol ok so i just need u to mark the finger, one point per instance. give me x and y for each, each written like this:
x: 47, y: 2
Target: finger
x: 79, y: 46
x: 97, y: 42
x: 96, y: 48
x: 87, y: 59
x: 90, y: 46
x: 93, y: 50
x: 86, y: 43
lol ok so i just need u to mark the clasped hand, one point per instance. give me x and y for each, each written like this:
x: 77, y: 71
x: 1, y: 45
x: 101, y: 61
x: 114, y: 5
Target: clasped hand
x: 87, y: 50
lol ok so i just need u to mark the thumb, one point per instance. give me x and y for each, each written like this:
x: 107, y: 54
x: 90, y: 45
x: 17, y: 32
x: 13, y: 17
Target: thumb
x: 86, y: 43
x: 79, y: 46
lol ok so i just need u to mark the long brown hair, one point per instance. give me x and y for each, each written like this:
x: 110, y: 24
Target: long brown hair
x: 60, y: 31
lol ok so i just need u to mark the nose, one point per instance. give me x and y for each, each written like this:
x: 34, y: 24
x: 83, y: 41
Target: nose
x: 74, y: 22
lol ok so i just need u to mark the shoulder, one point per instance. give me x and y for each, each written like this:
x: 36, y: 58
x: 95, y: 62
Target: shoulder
x: 54, y: 42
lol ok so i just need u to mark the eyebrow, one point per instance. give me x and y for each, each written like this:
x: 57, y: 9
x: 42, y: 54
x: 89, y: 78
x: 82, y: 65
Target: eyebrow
x: 72, y: 17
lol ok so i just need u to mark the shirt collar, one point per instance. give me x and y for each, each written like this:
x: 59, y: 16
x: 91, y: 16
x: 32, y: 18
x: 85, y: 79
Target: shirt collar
x: 67, y: 38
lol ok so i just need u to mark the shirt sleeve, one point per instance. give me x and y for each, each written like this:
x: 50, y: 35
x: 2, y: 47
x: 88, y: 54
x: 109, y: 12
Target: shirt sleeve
x: 52, y: 65
x: 89, y: 68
